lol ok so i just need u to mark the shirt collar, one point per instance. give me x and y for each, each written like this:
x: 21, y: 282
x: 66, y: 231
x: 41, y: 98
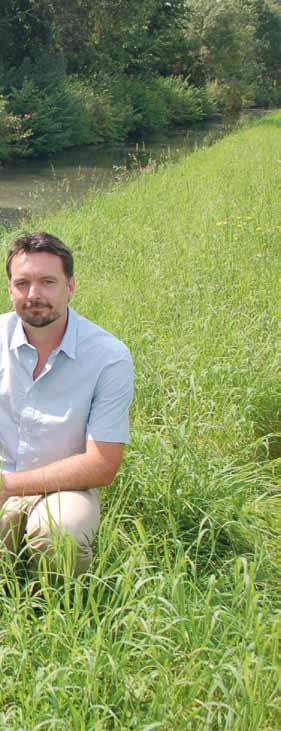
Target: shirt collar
x: 19, y: 337
x: 69, y: 340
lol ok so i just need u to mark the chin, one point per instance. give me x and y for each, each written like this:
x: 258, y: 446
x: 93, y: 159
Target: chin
x: 39, y: 321
x: 36, y: 323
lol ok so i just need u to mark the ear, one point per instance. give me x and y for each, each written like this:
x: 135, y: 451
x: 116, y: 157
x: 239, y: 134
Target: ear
x: 71, y: 284
x: 10, y: 291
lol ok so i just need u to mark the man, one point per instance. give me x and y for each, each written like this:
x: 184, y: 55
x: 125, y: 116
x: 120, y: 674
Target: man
x: 65, y: 389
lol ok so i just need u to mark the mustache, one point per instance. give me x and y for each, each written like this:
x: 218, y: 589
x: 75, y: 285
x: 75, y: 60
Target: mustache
x: 37, y: 304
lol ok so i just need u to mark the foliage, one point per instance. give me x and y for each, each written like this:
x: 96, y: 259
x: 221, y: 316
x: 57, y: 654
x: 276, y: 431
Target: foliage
x: 150, y: 111
x: 11, y: 131
x: 46, y: 72
x: 134, y: 68
x: 267, y: 94
x: 123, y: 107
x: 235, y: 44
x: 25, y: 29
x: 109, y: 108
x: 55, y: 112
x: 228, y: 96
x: 186, y: 103
x: 53, y: 117
x: 120, y: 37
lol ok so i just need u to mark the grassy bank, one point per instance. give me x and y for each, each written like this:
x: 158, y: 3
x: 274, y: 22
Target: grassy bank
x: 178, y: 624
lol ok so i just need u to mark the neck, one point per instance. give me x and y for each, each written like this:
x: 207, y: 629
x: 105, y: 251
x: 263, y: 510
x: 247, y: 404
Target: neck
x: 46, y: 339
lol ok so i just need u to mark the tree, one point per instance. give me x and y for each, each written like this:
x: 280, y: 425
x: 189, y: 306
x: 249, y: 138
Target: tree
x: 139, y: 38
x: 25, y: 29
x: 112, y: 36
x: 235, y: 41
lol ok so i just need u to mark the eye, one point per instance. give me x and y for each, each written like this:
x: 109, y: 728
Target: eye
x: 21, y: 283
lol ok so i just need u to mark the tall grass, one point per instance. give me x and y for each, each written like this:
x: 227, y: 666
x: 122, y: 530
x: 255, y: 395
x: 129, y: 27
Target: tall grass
x: 177, y: 624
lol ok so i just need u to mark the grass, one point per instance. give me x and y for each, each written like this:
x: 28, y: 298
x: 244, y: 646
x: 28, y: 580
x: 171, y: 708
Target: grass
x: 178, y: 624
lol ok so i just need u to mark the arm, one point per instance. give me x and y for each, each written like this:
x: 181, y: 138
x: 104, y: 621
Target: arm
x: 94, y: 468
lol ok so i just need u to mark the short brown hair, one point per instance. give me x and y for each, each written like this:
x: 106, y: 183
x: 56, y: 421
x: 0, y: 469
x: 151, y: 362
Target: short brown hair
x: 41, y: 241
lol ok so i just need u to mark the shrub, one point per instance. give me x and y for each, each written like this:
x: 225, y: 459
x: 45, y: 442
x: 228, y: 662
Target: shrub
x: 122, y: 108
x: 51, y: 120
x: 111, y: 120
x: 227, y: 96
x: 51, y: 111
x: 10, y: 130
x: 149, y: 107
x: 268, y: 95
x: 52, y: 115
x: 208, y: 102
x: 108, y: 113
x: 185, y: 103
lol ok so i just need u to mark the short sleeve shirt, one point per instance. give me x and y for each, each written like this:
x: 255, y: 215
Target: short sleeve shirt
x: 84, y: 392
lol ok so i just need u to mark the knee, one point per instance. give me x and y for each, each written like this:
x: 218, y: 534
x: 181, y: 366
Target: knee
x: 61, y: 527
x: 12, y: 522
x: 57, y: 550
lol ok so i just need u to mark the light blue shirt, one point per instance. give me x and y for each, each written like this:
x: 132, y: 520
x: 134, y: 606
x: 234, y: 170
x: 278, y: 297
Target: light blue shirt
x: 84, y: 392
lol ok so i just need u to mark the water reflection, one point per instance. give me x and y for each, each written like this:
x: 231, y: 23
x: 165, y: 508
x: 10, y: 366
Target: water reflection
x: 28, y: 186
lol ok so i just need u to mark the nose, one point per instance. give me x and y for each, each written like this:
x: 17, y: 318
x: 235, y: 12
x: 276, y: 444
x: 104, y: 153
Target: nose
x: 34, y: 291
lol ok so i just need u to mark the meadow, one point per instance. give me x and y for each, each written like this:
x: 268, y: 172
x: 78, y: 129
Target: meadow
x: 177, y: 625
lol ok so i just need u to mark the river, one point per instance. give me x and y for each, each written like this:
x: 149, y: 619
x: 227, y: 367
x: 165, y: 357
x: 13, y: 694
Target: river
x: 35, y: 186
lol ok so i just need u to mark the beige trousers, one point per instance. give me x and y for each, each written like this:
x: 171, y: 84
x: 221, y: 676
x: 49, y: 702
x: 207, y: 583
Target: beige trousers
x: 60, y: 527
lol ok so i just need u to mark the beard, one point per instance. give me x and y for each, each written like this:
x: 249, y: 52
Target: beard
x: 38, y: 314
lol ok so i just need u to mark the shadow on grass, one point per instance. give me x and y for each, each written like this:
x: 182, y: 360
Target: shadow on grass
x: 267, y: 425
x: 215, y: 539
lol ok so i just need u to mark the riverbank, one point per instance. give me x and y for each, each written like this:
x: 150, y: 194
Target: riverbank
x: 179, y: 625
x: 39, y: 186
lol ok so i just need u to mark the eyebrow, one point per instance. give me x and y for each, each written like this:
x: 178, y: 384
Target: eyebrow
x: 26, y: 278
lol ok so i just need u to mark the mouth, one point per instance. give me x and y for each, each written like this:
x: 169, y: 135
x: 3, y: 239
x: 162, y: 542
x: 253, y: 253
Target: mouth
x: 36, y: 307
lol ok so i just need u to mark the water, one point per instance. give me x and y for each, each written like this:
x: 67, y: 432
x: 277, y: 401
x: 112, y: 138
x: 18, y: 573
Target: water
x: 36, y: 186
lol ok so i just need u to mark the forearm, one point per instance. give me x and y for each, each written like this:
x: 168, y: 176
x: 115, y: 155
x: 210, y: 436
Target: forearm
x: 80, y: 472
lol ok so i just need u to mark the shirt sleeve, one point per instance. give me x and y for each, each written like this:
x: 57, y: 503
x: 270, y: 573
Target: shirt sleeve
x: 109, y: 414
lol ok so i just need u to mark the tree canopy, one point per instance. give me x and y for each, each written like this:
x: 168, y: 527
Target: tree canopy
x: 131, y: 67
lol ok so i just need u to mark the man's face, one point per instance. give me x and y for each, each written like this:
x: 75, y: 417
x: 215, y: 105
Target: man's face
x: 39, y: 288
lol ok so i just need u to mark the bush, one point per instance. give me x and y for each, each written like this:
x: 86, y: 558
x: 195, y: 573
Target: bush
x: 185, y: 103
x: 160, y: 103
x: 10, y: 130
x: 109, y: 113
x: 122, y: 108
x: 52, y: 115
x: 111, y: 120
x: 51, y: 120
x: 208, y: 102
x: 268, y: 95
x: 149, y: 107
x: 227, y: 96
x: 50, y: 111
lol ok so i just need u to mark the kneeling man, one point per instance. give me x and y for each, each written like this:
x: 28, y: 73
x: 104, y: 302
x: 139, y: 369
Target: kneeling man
x: 65, y: 390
